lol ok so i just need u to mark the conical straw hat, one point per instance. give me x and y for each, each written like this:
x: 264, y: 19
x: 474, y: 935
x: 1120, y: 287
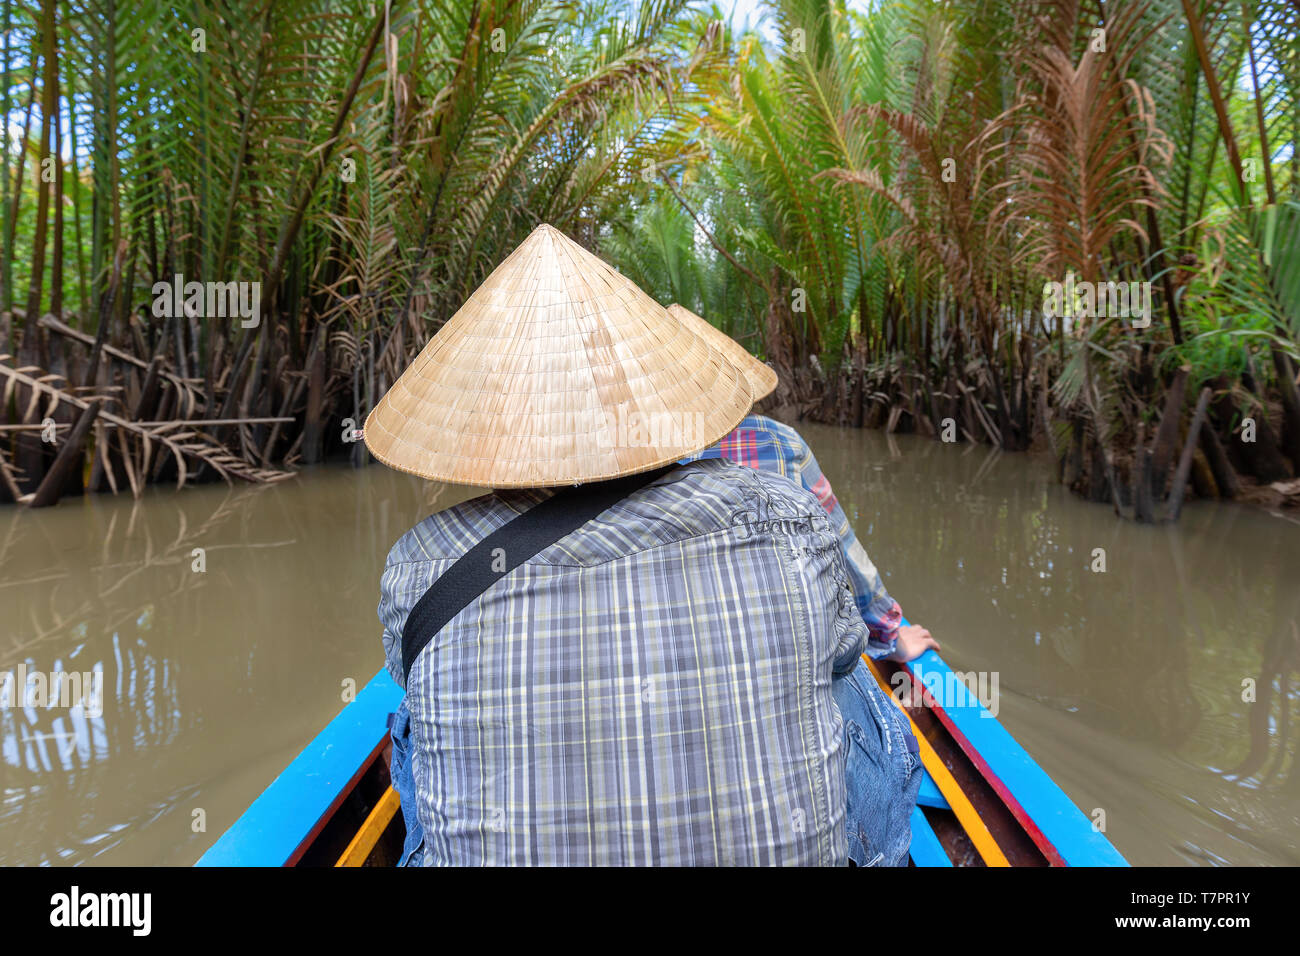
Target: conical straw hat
x: 557, y: 370
x: 762, y: 379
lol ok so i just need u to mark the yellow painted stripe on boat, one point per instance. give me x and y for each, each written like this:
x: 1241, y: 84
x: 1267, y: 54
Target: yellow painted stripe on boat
x: 966, y: 813
x: 363, y: 843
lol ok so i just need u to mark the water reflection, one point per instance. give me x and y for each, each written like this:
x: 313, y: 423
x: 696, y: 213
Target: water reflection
x: 1126, y: 684
x: 216, y: 665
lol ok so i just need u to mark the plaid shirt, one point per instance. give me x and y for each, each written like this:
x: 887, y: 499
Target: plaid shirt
x: 760, y: 442
x: 654, y: 689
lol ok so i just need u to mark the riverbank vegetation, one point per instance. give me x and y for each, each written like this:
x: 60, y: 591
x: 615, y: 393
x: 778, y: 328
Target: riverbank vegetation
x: 1069, y: 225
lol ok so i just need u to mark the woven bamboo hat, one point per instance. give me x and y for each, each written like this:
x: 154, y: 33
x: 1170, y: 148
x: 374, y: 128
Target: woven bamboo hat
x: 557, y: 370
x: 762, y: 379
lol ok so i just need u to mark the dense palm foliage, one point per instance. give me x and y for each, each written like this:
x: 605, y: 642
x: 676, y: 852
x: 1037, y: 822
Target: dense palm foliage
x: 365, y: 163
x: 872, y: 195
x: 896, y: 183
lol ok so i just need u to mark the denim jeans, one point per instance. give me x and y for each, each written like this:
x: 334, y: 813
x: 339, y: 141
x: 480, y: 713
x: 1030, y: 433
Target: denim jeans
x: 882, y: 771
x: 399, y: 769
x: 882, y: 774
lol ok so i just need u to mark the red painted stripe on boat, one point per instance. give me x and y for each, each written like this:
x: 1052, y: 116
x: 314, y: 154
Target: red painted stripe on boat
x: 1022, y: 816
x: 343, y: 794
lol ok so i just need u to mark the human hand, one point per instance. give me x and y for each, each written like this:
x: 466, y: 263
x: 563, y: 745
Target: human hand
x: 913, y: 641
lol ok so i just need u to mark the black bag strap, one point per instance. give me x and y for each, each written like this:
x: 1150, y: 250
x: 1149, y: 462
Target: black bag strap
x: 519, y: 539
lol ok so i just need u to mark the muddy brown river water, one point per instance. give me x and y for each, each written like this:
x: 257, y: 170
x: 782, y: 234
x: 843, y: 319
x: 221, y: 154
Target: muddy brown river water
x: 218, y: 666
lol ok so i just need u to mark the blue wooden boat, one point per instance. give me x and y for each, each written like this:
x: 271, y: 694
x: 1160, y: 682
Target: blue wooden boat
x: 983, y: 801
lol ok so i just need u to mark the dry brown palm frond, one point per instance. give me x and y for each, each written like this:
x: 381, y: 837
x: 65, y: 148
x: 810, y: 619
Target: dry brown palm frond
x: 189, y: 390
x: 951, y: 215
x: 135, y: 440
x: 344, y: 350
x: 872, y: 180
x: 1085, y: 150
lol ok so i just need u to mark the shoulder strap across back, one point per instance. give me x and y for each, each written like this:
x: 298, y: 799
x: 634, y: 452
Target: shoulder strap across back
x: 519, y: 539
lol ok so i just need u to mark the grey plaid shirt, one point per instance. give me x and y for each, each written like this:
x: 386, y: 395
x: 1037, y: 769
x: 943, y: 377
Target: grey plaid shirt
x: 652, y: 689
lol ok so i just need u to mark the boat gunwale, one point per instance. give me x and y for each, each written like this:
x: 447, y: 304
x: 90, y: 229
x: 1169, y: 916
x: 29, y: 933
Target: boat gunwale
x: 312, y: 787
x: 349, y: 744
x: 1064, y: 834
